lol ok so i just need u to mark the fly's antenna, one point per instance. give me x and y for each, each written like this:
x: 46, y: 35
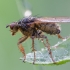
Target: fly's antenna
x: 7, y: 26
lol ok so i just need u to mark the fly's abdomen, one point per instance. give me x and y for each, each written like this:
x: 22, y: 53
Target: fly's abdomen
x: 49, y: 28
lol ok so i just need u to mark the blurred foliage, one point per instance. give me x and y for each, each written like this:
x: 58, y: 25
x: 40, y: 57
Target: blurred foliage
x: 9, y: 12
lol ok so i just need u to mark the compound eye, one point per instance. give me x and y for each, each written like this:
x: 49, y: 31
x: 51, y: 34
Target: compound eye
x: 11, y: 27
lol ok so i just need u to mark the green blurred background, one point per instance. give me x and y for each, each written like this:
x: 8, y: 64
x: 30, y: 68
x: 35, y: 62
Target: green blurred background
x: 12, y: 10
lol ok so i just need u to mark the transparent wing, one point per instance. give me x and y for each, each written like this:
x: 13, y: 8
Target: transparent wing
x: 54, y: 19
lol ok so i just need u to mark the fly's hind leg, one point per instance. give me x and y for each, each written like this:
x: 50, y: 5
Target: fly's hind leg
x: 47, y: 45
x: 59, y: 36
x: 21, y: 48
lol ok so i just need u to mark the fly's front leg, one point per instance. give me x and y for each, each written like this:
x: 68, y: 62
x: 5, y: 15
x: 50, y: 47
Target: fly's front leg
x: 33, y: 49
x: 21, y: 48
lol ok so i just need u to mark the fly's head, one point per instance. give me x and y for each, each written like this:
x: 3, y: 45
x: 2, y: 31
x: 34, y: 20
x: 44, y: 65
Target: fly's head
x: 13, y: 27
